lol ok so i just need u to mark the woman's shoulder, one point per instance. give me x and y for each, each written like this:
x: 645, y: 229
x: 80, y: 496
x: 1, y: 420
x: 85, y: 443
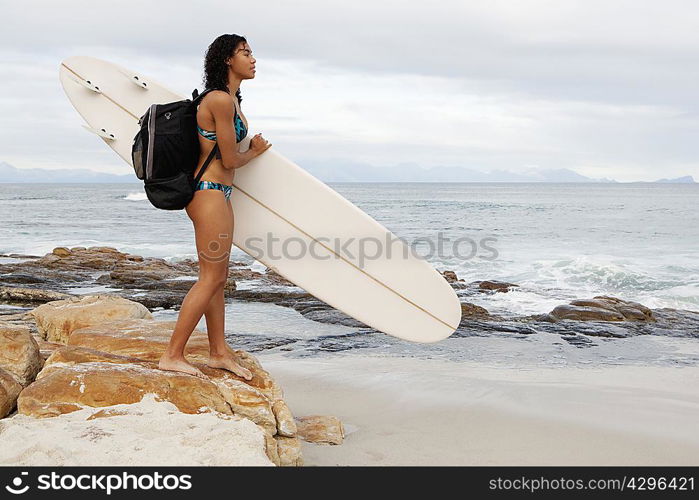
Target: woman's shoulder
x: 217, y: 97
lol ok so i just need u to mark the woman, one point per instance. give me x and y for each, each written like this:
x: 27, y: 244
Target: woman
x: 228, y: 61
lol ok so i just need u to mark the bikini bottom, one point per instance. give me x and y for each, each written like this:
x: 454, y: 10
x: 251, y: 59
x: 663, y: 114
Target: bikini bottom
x: 216, y: 185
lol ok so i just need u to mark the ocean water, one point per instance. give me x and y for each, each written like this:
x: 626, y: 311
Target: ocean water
x: 557, y: 241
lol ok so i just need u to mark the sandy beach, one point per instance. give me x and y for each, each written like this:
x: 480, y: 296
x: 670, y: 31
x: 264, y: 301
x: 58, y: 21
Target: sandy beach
x: 402, y: 411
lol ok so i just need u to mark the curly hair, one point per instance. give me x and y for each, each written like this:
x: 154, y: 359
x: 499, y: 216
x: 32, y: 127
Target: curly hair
x: 215, y: 69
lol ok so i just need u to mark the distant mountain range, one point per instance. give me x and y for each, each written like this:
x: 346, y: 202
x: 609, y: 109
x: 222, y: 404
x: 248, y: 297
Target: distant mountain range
x: 336, y: 172
x: 412, y: 172
x: 8, y: 173
x: 687, y: 179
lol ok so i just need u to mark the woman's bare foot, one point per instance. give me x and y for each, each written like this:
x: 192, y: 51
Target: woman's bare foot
x: 180, y: 365
x: 227, y: 362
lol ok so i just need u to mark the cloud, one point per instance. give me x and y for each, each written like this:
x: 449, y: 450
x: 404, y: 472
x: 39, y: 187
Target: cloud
x: 604, y: 88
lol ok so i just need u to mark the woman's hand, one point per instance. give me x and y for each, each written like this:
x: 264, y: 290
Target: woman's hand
x: 259, y: 144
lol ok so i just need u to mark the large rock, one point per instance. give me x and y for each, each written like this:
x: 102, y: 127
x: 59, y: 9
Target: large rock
x: 81, y: 258
x: 19, y: 352
x: 243, y: 399
x: 9, y: 390
x: 320, y: 429
x: 602, y: 308
x: 68, y: 388
x: 148, y: 433
x: 148, y: 339
x: 56, y: 320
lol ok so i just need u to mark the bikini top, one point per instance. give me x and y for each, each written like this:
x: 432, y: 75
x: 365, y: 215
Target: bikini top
x: 240, y: 130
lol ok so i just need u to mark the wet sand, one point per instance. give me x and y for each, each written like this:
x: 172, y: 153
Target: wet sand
x: 403, y: 411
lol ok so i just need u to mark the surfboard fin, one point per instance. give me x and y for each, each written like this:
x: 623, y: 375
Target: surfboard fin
x: 101, y: 132
x: 87, y: 84
x: 136, y: 80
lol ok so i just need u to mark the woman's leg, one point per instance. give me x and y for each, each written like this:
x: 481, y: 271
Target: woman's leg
x: 213, y: 241
x: 220, y: 354
x: 215, y: 322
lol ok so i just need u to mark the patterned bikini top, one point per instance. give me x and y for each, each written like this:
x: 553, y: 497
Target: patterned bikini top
x: 240, y: 130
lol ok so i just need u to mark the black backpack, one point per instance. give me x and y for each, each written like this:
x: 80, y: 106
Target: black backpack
x: 165, y: 152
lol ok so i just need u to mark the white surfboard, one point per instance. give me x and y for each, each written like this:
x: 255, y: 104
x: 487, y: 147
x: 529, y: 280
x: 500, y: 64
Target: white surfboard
x: 395, y: 292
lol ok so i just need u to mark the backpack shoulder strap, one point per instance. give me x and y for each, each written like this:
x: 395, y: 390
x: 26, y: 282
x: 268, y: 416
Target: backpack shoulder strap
x: 197, y: 97
x: 206, y: 163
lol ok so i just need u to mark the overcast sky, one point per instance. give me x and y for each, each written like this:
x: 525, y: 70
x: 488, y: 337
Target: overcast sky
x: 606, y: 88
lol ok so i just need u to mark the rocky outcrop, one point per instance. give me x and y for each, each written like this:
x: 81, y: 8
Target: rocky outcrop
x: 63, y: 265
x: 601, y: 308
x: 57, y: 319
x: 113, y: 361
x: 68, y: 267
